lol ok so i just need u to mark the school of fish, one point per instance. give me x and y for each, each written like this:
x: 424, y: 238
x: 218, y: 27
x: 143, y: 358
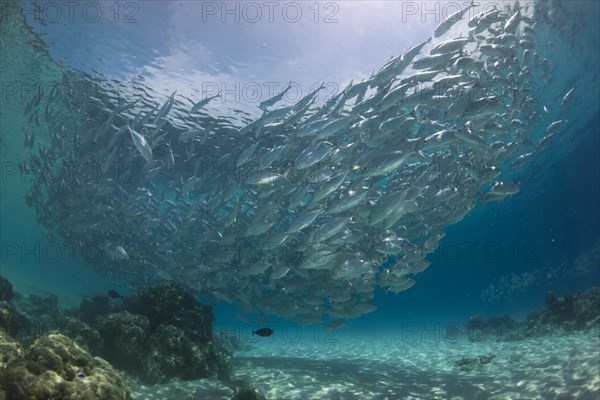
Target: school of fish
x: 305, y: 210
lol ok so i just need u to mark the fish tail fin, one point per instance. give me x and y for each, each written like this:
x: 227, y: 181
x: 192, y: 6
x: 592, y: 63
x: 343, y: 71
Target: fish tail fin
x: 253, y: 333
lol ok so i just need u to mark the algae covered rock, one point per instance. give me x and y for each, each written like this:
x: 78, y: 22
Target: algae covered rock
x: 161, y: 334
x: 220, y: 359
x: 55, y: 367
x: 124, y: 338
x: 572, y: 312
x: 4, y: 318
x: 587, y: 310
x: 7, y: 311
x: 158, y: 335
x: 85, y: 335
x: 9, y: 349
x: 11, y: 321
x: 40, y: 308
x: 171, y: 354
x: 171, y: 305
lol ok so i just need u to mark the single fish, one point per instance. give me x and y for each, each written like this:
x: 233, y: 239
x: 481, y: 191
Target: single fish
x: 450, y: 46
x: 140, y: 142
x: 452, y: 19
x: 264, y: 332
x: 554, y: 127
x: 199, y: 105
x: 567, y: 99
x: 269, y: 102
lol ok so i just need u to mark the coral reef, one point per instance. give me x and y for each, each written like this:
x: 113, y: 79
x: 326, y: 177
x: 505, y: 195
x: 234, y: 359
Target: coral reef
x: 39, y: 308
x: 55, y: 367
x: 12, y: 322
x: 157, y: 335
x: 124, y: 337
x: 171, y: 354
x: 94, y: 307
x: 4, y: 318
x: 573, y: 312
x: 36, y: 316
x: 84, y: 334
x: 161, y: 334
x: 170, y: 305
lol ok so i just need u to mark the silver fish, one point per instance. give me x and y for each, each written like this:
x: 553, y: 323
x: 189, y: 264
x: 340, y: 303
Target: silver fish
x: 452, y: 19
x: 140, y: 142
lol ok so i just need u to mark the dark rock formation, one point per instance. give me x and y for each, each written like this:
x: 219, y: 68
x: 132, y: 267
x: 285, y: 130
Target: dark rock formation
x: 171, y: 305
x: 12, y: 322
x: 85, y: 335
x: 171, y: 354
x: 573, y: 312
x: 164, y: 333
x: 124, y: 338
x: 6, y: 290
x: 157, y: 335
x: 40, y: 308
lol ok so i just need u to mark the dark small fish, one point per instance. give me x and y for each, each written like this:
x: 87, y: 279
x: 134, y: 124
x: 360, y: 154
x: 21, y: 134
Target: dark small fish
x: 114, y: 294
x: 81, y: 375
x: 264, y: 332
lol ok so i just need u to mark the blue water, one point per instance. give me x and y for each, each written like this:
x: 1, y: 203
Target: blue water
x: 551, y: 221
x: 501, y: 259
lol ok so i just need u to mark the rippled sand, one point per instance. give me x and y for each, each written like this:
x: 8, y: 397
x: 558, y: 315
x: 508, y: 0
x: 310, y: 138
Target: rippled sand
x: 375, y: 366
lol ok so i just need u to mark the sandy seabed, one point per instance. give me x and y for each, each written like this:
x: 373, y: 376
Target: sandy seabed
x: 378, y: 367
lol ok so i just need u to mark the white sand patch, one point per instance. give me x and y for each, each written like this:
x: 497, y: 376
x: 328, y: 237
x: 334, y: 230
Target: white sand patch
x: 387, y: 367
x: 208, y: 389
x: 561, y: 367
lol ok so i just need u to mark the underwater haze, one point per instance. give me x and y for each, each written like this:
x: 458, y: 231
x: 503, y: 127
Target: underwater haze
x: 303, y: 200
